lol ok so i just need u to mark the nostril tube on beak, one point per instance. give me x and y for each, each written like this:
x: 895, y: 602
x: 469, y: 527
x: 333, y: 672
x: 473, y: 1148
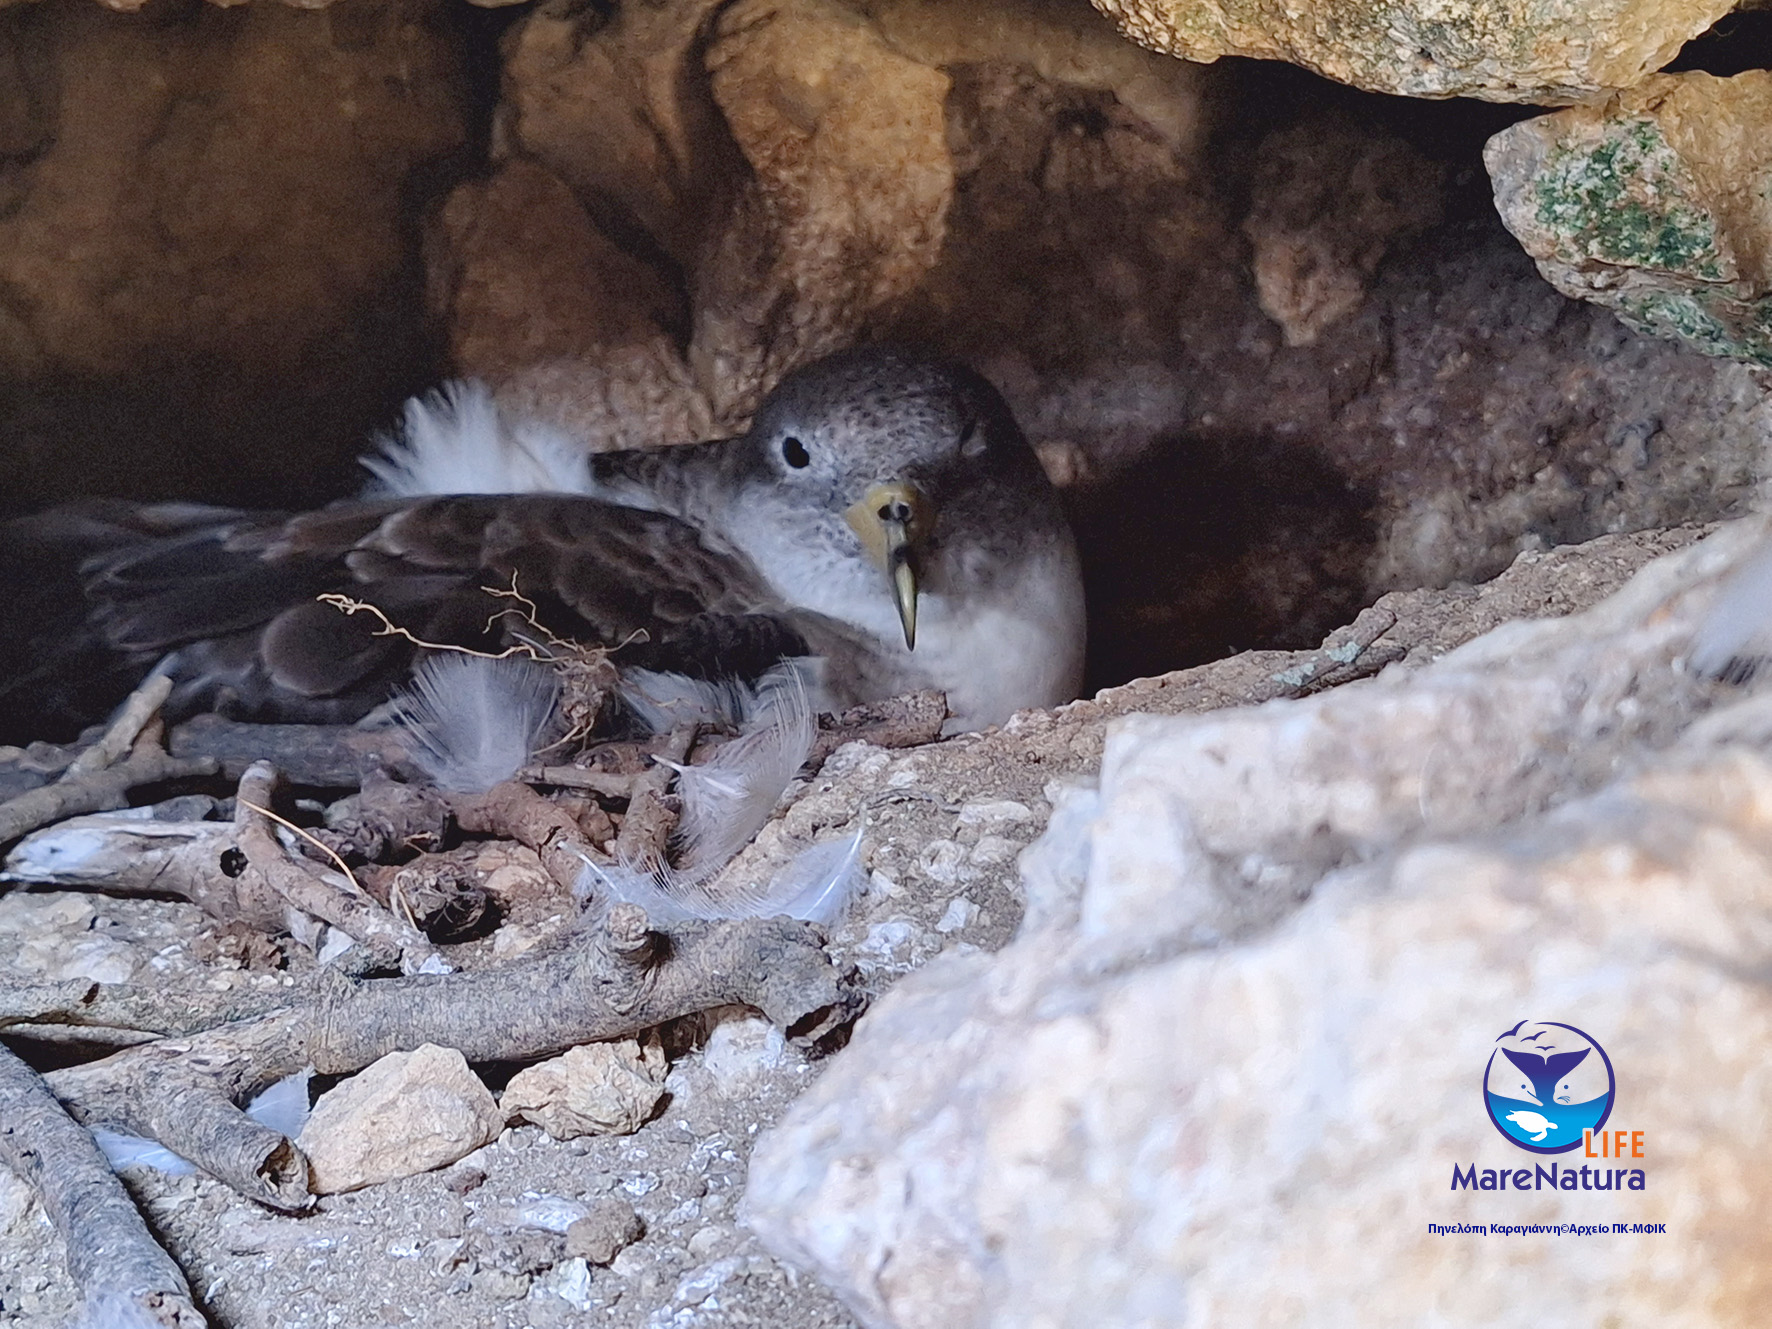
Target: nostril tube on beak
x: 889, y: 520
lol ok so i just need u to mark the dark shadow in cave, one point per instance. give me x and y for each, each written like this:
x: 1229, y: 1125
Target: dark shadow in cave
x: 1734, y: 44
x: 1208, y: 547
x: 174, y: 428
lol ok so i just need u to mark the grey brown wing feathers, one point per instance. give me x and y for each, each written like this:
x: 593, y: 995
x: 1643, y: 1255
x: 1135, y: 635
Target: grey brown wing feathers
x: 231, y: 595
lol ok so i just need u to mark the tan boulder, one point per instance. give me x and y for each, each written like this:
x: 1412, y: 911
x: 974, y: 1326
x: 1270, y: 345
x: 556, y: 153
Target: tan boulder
x: 407, y: 1113
x: 597, y: 1089
x: 1546, y: 52
x: 1656, y: 203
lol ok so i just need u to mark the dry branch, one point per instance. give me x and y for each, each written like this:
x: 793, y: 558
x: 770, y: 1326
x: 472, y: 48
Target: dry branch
x: 137, y: 711
x: 906, y: 721
x: 514, y: 811
x: 1346, y: 654
x: 96, y: 791
x: 132, y: 855
x: 318, y: 755
x: 607, y: 981
x: 346, y: 908
x: 81, y: 1004
x: 650, y: 820
x: 111, y: 1255
x: 386, y: 817
x: 609, y: 784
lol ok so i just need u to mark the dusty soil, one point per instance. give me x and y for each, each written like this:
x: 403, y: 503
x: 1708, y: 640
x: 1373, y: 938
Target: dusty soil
x: 472, y: 1245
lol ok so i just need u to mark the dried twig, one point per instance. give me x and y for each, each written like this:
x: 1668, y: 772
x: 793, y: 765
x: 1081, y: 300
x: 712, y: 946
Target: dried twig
x: 111, y: 1255
x: 650, y: 820
x: 350, y: 911
x: 96, y: 791
x: 387, y: 817
x: 346, y: 605
x: 515, y: 811
x: 605, y: 982
x: 324, y: 756
x: 610, y: 784
x: 141, y: 707
x: 81, y: 1004
x: 906, y: 721
x: 1346, y: 654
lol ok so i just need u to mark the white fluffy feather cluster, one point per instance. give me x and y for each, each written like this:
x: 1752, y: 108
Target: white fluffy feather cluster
x: 472, y: 721
x: 816, y: 885
x: 456, y: 441
x: 726, y: 801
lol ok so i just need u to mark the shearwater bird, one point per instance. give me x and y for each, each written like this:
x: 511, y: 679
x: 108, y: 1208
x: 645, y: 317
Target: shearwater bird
x: 883, y: 519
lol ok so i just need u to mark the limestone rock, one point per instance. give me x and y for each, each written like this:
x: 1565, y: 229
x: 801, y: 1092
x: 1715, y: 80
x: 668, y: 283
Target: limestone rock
x: 848, y: 196
x: 407, y: 1113
x: 1327, y: 205
x: 572, y: 329
x: 1547, y: 52
x: 618, y: 108
x: 1654, y: 204
x: 741, y: 1049
x: 601, y: 1235
x: 787, y: 169
x: 1183, y: 1096
x: 597, y: 1089
x: 204, y: 238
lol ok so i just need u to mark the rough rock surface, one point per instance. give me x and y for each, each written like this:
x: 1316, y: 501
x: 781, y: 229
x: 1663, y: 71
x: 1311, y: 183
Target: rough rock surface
x: 1547, y: 52
x: 484, y: 1244
x: 1318, y: 237
x: 209, y: 267
x: 1654, y: 204
x: 1219, y: 300
x: 407, y: 1113
x: 608, y: 1228
x: 597, y: 1089
x: 1183, y: 1096
x: 784, y: 169
x: 1233, y: 490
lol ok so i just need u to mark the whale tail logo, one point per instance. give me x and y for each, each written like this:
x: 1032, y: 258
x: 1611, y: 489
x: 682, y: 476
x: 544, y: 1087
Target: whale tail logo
x: 1545, y: 1083
x: 1544, y: 1071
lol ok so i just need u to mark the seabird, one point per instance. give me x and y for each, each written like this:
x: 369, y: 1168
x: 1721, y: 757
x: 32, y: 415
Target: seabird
x: 883, y: 519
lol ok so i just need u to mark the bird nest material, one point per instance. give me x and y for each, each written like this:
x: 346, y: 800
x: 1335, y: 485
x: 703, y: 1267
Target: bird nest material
x: 383, y: 875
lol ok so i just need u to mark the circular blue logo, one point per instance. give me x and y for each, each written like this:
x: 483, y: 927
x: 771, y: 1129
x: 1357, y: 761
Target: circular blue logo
x: 1545, y: 1084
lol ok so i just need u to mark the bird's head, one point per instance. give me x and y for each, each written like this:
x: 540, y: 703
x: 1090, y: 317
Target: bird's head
x: 920, y: 456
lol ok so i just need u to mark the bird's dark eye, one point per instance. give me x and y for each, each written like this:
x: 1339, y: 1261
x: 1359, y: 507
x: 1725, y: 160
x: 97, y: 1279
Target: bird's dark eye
x: 794, y: 453
x: 971, y: 441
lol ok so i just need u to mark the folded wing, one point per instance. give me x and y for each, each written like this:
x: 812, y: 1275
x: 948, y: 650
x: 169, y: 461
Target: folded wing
x: 229, y: 598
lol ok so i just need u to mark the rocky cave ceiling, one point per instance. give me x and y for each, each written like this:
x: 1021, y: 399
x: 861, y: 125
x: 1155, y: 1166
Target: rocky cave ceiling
x: 1269, y: 332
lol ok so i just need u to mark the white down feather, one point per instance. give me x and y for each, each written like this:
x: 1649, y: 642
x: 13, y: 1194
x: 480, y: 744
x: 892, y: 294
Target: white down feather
x: 472, y: 721
x: 456, y: 441
x: 726, y: 801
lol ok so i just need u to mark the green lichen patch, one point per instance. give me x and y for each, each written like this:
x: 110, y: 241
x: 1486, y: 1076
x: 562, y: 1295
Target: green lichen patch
x: 1709, y: 322
x: 1623, y: 202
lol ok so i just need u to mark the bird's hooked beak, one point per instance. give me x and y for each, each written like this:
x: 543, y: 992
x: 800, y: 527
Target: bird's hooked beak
x: 892, y: 519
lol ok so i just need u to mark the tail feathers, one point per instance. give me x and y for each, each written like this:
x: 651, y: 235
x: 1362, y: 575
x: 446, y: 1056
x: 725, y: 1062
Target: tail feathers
x: 58, y: 673
x: 455, y: 441
x: 473, y: 721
